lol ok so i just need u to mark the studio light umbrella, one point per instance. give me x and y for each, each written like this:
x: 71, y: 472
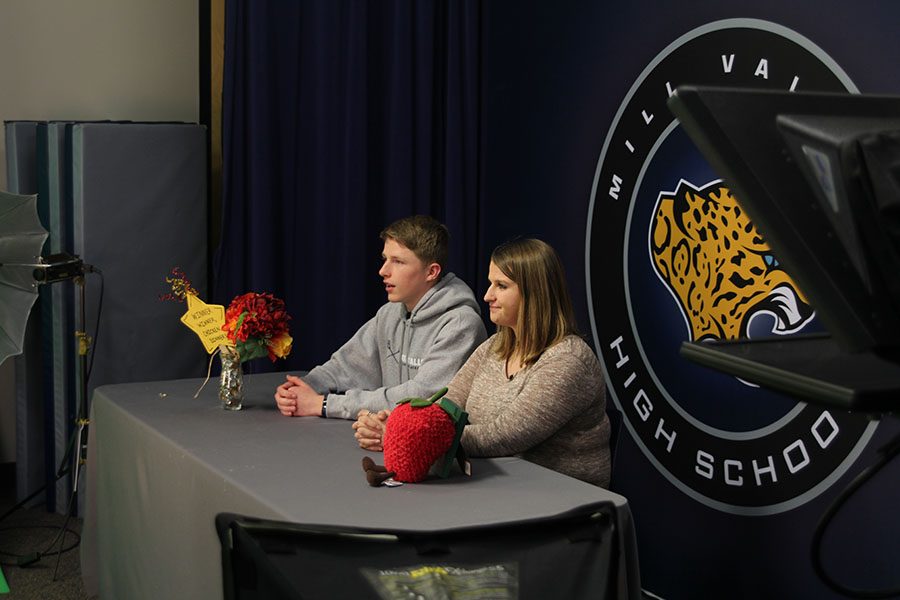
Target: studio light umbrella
x: 21, y: 239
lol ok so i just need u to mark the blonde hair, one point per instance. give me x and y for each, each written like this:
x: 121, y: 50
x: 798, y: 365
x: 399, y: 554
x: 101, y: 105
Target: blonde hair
x: 546, y: 315
x: 425, y: 236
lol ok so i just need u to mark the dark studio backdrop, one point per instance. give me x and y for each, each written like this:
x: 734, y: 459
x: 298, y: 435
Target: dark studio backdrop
x: 339, y: 118
x: 497, y: 117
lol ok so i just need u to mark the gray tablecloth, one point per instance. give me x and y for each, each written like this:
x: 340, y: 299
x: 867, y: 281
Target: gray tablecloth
x: 162, y: 464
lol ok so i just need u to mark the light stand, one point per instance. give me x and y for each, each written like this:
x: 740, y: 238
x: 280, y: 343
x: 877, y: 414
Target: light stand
x: 82, y: 419
x: 52, y: 269
x: 62, y: 267
x: 22, y: 269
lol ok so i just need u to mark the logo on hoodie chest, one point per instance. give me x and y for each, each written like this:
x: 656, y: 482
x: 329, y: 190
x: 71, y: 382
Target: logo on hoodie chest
x: 395, y: 350
x: 413, y: 362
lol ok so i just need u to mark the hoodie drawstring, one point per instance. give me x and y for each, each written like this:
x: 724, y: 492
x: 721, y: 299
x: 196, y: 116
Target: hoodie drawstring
x: 402, y: 350
x: 412, y: 330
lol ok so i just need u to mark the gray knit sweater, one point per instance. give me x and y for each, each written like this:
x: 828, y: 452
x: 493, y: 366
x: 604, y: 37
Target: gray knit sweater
x: 552, y: 413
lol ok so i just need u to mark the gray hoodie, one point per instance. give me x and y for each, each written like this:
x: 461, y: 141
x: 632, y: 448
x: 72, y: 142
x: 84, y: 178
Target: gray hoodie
x: 398, y: 354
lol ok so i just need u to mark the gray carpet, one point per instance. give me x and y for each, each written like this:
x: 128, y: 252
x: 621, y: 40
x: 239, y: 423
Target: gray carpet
x: 34, y: 530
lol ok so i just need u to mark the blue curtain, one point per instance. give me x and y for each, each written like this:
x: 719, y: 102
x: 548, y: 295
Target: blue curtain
x: 338, y: 118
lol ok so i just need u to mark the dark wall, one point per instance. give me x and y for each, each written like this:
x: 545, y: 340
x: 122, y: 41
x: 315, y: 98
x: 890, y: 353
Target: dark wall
x: 555, y: 76
x: 555, y: 73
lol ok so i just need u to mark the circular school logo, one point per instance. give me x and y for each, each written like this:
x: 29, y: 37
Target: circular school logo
x: 657, y: 209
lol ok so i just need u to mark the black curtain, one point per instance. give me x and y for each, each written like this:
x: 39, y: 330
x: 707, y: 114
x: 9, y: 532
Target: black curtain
x: 338, y: 118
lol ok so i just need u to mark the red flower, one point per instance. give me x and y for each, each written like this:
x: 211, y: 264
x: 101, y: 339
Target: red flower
x: 257, y: 325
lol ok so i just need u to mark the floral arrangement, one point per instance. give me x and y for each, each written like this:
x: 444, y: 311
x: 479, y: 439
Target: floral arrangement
x: 257, y: 325
x: 254, y: 325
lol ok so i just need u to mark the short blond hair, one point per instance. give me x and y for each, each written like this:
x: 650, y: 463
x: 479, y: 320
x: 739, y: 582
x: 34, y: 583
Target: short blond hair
x: 546, y: 315
x: 425, y: 236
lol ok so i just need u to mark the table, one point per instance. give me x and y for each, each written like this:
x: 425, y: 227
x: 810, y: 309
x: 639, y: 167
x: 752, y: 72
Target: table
x: 161, y: 465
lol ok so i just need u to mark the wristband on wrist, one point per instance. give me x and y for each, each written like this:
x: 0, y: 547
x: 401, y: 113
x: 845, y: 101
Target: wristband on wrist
x: 324, y: 406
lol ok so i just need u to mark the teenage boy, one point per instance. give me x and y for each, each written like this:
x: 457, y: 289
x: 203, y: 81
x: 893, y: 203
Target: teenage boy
x: 414, y: 344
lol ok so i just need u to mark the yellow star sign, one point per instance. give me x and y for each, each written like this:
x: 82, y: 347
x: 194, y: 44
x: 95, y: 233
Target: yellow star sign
x: 206, y: 321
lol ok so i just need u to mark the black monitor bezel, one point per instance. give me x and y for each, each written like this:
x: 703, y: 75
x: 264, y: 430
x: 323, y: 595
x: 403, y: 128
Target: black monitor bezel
x: 736, y: 131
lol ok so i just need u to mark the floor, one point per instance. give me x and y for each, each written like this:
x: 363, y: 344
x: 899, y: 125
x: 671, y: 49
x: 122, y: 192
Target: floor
x: 35, y: 534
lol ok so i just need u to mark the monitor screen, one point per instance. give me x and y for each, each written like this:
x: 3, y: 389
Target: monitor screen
x: 819, y: 175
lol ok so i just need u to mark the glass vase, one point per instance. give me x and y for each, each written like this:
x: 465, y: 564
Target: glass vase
x: 231, y: 381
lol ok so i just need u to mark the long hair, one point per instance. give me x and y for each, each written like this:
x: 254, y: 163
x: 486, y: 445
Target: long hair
x: 546, y: 315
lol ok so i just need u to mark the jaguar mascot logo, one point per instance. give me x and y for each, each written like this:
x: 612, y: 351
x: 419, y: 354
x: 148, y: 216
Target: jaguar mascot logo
x: 718, y: 267
x: 687, y: 265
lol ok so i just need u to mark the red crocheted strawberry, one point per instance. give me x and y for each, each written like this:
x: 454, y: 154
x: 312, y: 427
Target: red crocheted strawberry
x: 418, y: 433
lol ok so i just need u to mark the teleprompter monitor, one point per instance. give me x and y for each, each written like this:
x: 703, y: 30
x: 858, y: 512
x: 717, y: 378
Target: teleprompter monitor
x: 567, y: 556
x: 819, y: 175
